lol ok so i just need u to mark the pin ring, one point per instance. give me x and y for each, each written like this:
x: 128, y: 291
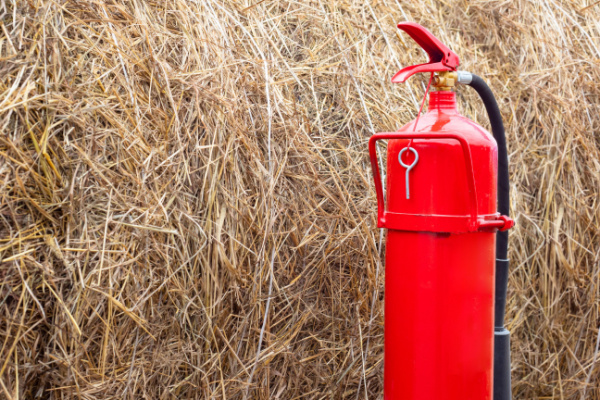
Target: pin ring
x: 408, y: 167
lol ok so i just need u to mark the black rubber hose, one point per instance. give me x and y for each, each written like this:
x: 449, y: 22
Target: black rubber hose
x: 502, y: 382
x: 491, y: 106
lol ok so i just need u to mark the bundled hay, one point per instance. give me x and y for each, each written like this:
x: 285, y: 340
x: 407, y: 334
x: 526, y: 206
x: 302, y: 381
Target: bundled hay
x: 187, y: 208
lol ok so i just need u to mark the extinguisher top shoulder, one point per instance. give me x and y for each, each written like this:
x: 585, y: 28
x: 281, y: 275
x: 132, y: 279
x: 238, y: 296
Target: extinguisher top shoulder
x: 432, y: 121
x: 441, y: 58
x: 442, y: 116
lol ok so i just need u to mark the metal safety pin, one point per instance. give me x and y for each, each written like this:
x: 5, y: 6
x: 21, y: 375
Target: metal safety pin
x: 408, y: 167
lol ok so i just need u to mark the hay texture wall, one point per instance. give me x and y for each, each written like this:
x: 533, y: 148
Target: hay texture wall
x: 186, y: 205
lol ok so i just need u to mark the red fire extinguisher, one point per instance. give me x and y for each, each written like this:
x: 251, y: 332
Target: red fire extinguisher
x: 446, y: 268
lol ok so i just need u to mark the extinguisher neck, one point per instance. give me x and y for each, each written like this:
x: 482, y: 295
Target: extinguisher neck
x: 444, y: 101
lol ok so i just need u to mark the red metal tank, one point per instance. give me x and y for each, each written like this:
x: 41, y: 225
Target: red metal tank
x: 440, y: 251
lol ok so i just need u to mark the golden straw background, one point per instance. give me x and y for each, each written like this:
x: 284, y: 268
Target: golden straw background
x: 187, y: 208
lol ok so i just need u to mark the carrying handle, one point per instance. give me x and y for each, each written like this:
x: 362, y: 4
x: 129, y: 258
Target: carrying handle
x: 381, y: 221
x: 441, y: 58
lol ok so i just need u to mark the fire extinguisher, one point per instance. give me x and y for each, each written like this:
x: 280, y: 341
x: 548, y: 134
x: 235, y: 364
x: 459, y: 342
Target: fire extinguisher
x: 446, y: 267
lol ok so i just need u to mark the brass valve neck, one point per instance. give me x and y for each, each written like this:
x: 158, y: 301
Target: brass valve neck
x: 445, y: 80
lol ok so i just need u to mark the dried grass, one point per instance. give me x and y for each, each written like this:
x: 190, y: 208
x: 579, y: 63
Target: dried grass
x: 187, y: 208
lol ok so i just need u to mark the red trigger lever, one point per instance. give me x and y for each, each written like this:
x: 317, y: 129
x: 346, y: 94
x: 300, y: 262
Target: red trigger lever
x: 441, y: 58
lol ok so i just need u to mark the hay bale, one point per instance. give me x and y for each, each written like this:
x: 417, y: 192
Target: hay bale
x: 187, y: 208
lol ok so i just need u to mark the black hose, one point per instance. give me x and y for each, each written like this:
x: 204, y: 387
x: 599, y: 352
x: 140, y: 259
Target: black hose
x: 502, y: 384
x: 491, y: 106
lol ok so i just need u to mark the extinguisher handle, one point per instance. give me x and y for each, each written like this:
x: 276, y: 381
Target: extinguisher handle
x: 473, y: 224
x: 441, y: 58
